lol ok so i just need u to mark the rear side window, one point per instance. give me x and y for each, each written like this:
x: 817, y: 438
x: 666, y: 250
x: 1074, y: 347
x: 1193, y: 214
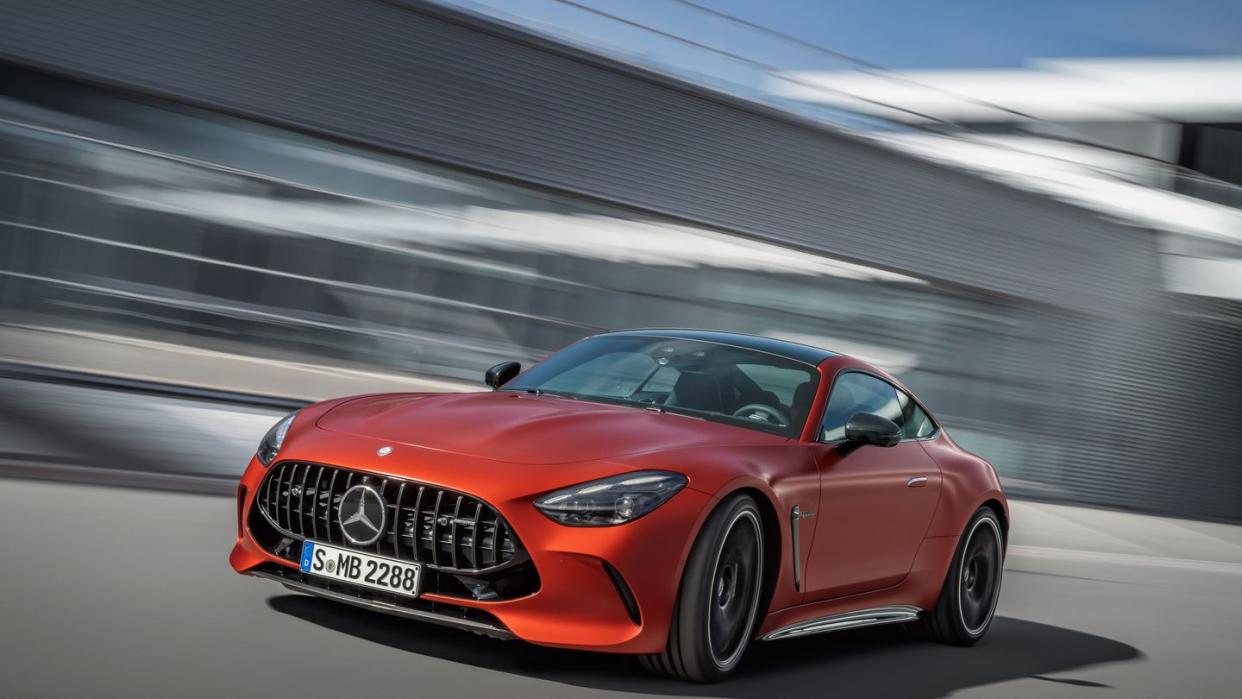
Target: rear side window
x: 917, y: 425
x: 858, y: 393
x: 862, y: 393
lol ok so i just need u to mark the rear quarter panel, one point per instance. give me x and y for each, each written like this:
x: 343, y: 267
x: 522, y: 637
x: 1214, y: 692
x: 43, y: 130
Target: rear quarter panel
x: 968, y: 482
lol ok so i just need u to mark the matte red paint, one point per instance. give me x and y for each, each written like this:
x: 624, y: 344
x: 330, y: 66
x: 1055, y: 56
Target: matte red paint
x: 873, y: 541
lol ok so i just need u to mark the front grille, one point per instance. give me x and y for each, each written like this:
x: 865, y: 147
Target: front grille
x: 444, y: 530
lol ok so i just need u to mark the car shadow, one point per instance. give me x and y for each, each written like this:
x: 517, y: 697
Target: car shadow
x: 877, y: 662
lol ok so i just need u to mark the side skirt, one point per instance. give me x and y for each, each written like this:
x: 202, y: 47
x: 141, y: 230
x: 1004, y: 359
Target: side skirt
x: 895, y: 614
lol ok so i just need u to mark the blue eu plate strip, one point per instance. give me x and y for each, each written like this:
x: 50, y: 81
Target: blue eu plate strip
x: 308, y: 553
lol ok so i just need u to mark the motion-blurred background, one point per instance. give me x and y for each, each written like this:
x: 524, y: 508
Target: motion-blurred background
x: 215, y: 211
x: 212, y: 211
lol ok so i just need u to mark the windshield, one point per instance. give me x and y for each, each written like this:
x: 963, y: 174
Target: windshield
x: 717, y: 382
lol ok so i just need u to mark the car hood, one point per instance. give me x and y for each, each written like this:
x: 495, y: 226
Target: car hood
x: 527, y: 429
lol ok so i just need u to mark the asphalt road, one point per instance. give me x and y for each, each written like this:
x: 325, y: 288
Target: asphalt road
x: 110, y: 592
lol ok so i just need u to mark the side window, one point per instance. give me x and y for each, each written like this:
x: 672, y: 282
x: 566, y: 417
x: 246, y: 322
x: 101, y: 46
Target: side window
x: 858, y: 393
x: 917, y: 425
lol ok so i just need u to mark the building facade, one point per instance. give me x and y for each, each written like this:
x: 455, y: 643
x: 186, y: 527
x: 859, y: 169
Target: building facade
x: 399, y: 187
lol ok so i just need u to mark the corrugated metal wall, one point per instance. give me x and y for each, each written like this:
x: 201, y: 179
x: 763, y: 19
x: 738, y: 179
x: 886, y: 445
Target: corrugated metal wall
x: 428, y: 83
x: 440, y: 85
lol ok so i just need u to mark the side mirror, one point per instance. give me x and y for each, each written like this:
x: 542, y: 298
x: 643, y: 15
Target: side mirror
x: 868, y: 428
x: 501, y: 374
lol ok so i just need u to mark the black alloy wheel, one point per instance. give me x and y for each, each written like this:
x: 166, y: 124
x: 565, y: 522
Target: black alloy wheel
x: 718, y: 604
x: 972, y: 587
x: 735, y: 587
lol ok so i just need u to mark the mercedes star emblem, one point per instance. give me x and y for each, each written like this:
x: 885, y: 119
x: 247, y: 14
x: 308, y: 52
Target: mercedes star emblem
x: 363, y: 513
x: 384, y: 451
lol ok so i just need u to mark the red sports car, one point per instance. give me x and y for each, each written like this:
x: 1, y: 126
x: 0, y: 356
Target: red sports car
x: 671, y: 494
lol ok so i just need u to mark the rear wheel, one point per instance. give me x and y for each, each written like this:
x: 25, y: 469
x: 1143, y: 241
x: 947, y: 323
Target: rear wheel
x: 968, y: 599
x: 716, y: 607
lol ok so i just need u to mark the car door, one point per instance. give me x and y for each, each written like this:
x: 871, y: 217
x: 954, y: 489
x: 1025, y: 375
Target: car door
x: 875, y: 503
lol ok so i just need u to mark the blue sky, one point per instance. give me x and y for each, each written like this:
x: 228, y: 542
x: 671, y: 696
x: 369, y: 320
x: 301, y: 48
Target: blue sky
x: 1001, y: 33
x: 911, y: 34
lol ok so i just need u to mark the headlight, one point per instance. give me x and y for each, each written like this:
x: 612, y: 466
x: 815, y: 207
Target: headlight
x: 274, y: 438
x: 613, y: 500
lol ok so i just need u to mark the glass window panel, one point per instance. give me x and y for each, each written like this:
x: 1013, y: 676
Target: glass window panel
x: 852, y: 393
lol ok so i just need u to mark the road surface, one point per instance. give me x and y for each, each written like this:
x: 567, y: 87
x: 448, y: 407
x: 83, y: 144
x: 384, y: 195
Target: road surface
x: 118, y: 592
x: 113, y: 592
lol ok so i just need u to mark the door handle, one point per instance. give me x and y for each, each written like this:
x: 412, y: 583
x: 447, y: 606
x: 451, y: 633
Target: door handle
x: 917, y: 482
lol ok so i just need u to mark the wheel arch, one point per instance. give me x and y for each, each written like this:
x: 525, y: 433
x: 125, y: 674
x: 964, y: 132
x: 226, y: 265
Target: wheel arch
x: 673, y: 662
x: 1002, y: 514
x: 773, y: 540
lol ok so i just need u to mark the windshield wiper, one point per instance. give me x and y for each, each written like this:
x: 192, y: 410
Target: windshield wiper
x: 554, y: 394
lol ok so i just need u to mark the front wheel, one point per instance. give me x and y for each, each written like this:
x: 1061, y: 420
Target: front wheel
x: 968, y: 599
x: 717, y: 605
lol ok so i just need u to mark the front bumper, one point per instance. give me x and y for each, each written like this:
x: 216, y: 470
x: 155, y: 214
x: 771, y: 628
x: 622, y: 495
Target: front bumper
x: 298, y: 582
x: 578, y: 603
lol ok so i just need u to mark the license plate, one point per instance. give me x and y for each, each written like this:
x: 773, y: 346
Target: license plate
x: 375, y: 572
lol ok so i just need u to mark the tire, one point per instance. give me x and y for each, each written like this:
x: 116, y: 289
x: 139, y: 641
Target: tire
x: 967, y: 602
x: 716, y: 608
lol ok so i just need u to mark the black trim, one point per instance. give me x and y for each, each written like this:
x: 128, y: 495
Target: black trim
x: 623, y: 590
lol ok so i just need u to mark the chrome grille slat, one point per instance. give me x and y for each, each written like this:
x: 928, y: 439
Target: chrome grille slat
x: 396, y: 522
x: 302, y: 499
x: 453, y: 533
x: 288, y: 490
x: 269, y: 499
x: 379, y: 543
x: 417, y: 526
x: 475, y: 535
x: 498, y: 541
x: 273, y: 488
x: 489, y: 549
x: 315, y: 504
x: 327, y: 513
x: 465, y: 534
x: 435, y: 529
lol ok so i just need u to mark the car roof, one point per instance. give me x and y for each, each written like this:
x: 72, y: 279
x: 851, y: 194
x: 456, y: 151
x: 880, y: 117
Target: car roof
x: 781, y: 348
